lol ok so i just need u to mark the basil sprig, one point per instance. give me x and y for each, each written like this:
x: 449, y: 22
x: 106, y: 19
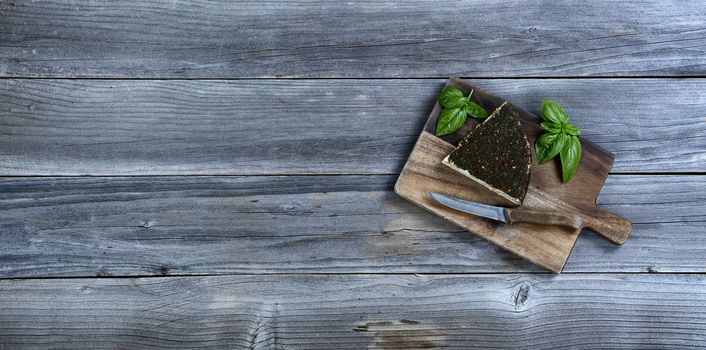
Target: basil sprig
x: 456, y: 110
x: 560, y: 138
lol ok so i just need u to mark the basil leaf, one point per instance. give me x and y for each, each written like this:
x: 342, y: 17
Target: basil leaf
x: 450, y: 120
x: 542, y: 145
x: 555, y: 147
x: 571, y: 130
x: 559, y: 144
x: 547, y: 139
x: 451, y: 97
x: 561, y: 138
x: 553, y: 128
x: 552, y: 112
x: 570, y: 158
x: 475, y: 110
x: 540, y: 150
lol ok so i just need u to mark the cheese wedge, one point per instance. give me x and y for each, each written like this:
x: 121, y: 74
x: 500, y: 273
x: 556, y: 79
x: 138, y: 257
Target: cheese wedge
x: 496, y: 154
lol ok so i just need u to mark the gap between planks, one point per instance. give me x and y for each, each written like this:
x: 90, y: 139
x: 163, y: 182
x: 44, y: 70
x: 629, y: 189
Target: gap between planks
x: 360, y: 274
x: 579, y: 77
x: 117, y: 176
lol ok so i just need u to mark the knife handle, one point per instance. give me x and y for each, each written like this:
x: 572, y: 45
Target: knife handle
x: 543, y: 217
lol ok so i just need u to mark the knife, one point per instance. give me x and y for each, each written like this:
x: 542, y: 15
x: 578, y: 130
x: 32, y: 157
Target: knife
x: 510, y: 216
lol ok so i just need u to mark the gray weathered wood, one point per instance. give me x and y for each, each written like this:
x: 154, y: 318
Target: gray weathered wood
x: 354, y: 135
x: 357, y: 312
x: 204, y: 39
x: 72, y: 127
x: 283, y: 224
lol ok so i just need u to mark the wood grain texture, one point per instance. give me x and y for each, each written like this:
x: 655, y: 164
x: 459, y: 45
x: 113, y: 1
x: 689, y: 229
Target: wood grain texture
x: 543, y: 217
x: 95, y: 127
x: 205, y: 39
x: 357, y: 312
x: 336, y: 225
x: 285, y: 224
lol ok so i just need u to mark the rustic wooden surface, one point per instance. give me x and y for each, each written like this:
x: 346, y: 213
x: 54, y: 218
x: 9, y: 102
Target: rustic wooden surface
x: 168, y: 127
x: 176, y: 195
x: 236, y: 39
x: 94, y: 226
x: 357, y: 312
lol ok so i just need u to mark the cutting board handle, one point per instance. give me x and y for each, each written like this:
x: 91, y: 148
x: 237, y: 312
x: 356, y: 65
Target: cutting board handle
x: 613, y: 227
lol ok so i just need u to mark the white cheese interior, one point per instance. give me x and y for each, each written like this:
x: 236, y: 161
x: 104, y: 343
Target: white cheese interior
x: 485, y: 184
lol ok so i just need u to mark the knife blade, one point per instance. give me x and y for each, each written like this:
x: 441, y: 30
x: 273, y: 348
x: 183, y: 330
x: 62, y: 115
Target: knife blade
x: 478, y: 209
x: 510, y: 216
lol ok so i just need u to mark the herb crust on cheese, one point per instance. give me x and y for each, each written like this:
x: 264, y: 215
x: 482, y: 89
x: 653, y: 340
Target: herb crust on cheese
x: 496, y: 154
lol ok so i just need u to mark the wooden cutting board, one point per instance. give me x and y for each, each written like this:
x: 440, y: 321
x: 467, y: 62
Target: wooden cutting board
x: 546, y: 246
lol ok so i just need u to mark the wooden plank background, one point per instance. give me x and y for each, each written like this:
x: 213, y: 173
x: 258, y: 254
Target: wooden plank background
x: 314, y: 38
x: 264, y: 127
x: 357, y: 312
x: 333, y: 224
x: 210, y: 174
